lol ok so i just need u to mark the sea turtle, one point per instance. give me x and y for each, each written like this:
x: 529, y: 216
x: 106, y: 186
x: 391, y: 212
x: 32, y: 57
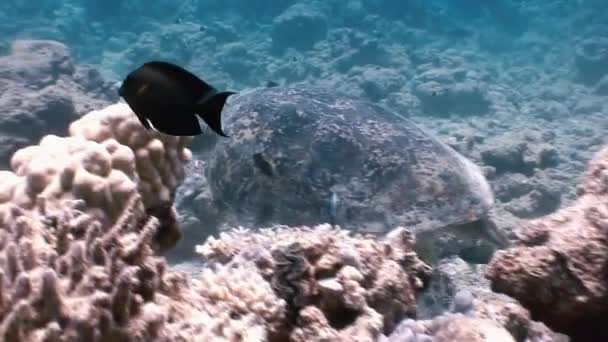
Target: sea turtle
x: 302, y: 155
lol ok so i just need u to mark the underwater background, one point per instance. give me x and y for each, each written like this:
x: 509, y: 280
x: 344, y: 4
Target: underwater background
x: 519, y: 88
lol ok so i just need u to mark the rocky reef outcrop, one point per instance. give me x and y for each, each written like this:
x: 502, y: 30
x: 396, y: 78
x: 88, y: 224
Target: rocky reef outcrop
x: 42, y: 90
x: 557, y: 267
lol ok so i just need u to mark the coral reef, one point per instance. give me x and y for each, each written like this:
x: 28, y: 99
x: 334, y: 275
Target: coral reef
x: 77, y: 245
x: 335, y: 285
x: 458, y: 290
x: 477, y: 320
x: 80, y: 258
x: 470, y: 72
x: 79, y: 248
x: 343, y: 287
x: 156, y: 159
x: 107, y: 157
x: 65, y: 277
x: 68, y: 277
x: 557, y: 266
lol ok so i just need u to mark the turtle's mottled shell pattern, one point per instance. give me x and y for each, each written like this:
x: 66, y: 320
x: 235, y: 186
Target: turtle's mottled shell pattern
x: 385, y: 170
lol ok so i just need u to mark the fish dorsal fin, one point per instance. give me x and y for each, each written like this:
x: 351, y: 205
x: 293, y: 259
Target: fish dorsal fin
x: 197, y: 88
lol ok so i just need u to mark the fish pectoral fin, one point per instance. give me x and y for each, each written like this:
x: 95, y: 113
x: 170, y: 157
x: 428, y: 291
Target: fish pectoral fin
x: 151, y: 125
x: 210, y: 110
x: 144, y: 121
x: 177, y: 125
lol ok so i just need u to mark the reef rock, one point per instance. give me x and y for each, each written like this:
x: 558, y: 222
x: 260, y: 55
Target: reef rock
x: 476, y: 320
x: 557, y: 268
x: 41, y: 91
x: 300, y: 27
x: 592, y: 59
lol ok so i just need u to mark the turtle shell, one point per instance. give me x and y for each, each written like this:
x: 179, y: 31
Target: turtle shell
x: 316, y: 142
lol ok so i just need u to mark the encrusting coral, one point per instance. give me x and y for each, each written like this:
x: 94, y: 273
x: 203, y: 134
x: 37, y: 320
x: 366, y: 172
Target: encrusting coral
x: 557, y: 268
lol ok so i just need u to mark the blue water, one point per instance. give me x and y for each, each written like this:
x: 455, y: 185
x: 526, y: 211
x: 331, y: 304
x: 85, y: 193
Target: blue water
x: 494, y: 72
x: 242, y: 43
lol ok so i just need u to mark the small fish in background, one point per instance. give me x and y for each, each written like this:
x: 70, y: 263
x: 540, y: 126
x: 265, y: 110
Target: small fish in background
x: 271, y: 84
x: 168, y: 98
x: 333, y: 208
x: 263, y: 164
x: 434, y: 93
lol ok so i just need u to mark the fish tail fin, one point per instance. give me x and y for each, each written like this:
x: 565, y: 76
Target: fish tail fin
x: 210, y: 110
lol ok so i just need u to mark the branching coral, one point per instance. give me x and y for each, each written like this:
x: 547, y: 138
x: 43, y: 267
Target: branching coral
x: 76, y: 244
x: 87, y: 283
x: 334, y: 284
x: 62, y: 283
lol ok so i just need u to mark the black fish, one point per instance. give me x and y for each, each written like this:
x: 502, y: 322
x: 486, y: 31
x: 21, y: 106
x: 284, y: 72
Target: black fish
x: 167, y: 98
x: 271, y: 84
x: 264, y: 165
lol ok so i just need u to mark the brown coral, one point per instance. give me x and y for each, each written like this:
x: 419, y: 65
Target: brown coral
x: 557, y: 269
x: 107, y: 285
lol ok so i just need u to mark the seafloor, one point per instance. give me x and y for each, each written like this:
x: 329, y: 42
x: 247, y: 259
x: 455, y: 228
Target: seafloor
x: 520, y: 88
